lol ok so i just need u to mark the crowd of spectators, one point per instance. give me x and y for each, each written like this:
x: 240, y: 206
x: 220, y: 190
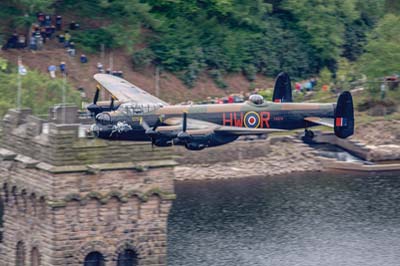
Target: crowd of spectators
x: 42, y: 30
x: 308, y: 85
x: 46, y: 28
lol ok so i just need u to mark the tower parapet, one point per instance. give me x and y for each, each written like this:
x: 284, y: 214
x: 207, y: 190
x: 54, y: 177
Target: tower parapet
x: 58, y: 144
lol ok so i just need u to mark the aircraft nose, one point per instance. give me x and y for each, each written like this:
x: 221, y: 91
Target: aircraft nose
x: 94, y: 130
x: 100, y: 131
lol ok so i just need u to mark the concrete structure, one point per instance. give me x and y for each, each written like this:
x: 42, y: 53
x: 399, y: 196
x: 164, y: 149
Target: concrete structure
x: 76, y: 201
x: 371, y: 153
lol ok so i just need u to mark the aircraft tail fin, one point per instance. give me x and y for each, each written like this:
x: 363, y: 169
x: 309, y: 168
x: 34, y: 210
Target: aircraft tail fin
x: 344, y: 116
x: 282, y: 88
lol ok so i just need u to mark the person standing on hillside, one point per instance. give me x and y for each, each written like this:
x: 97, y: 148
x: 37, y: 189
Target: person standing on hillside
x: 71, y: 49
x: 298, y: 86
x: 53, y: 31
x: 38, y: 40
x: 21, y: 42
x: 47, y: 20
x: 43, y: 33
x: 383, y: 90
x: 12, y: 41
x: 32, y: 44
x: 52, y: 71
x: 40, y: 18
x: 100, y: 67
x: 59, y: 22
x: 67, y: 37
x: 63, y: 68
x: 83, y: 59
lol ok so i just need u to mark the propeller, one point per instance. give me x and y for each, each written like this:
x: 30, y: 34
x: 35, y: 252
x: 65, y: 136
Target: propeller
x: 96, y: 95
x: 112, y: 104
x: 158, y: 122
x: 183, y: 135
x: 151, y: 132
x: 184, y: 122
x: 93, y: 108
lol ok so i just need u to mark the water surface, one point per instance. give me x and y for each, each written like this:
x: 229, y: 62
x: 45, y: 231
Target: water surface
x: 307, y: 219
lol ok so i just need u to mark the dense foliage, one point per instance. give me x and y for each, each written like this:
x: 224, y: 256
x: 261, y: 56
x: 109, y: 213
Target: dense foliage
x: 382, y: 53
x: 39, y: 91
x: 192, y: 37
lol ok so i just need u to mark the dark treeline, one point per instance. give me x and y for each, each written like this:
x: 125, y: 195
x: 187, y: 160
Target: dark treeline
x: 190, y: 37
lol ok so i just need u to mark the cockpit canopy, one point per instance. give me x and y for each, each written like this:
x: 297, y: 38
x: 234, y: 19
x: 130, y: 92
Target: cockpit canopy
x: 131, y: 109
x: 103, y: 118
x: 256, y: 99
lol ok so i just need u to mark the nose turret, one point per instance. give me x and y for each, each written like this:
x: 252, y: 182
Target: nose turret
x: 103, y: 126
x: 94, y: 130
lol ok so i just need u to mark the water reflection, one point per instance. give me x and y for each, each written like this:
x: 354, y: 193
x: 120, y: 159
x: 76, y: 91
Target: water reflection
x: 308, y: 219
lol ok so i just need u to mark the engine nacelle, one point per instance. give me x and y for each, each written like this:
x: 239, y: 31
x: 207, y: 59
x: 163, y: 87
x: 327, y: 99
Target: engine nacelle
x: 163, y: 142
x: 194, y: 146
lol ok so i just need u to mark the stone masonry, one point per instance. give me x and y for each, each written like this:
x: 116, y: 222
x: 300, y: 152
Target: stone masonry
x: 66, y: 198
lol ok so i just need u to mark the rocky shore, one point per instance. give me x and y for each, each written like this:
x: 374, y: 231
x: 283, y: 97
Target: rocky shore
x: 382, y: 138
x: 385, y: 132
x: 282, y: 155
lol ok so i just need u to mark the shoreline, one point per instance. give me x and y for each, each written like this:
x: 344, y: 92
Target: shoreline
x: 284, y: 155
x: 288, y: 154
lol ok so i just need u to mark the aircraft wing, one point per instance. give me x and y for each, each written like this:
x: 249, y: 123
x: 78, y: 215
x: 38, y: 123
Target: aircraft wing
x: 191, y: 123
x: 197, y: 127
x: 124, y: 91
x: 239, y: 131
x: 324, y: 121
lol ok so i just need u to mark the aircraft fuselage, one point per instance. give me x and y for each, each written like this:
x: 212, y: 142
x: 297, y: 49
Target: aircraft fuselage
x: 287, y: 116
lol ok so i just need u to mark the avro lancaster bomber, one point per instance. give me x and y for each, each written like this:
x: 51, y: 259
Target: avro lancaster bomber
x: 135, y: 115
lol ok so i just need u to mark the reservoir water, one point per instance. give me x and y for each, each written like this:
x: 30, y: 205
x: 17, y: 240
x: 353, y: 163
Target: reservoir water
x: 303, y: 219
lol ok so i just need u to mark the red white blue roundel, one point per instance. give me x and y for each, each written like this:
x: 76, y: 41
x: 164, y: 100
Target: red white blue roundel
x: 251, y: 120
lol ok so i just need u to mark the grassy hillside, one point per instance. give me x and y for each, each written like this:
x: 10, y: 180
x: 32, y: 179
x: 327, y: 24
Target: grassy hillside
x: 38, y: 91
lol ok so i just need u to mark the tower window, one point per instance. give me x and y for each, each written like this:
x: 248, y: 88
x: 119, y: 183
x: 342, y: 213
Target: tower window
x: 94, y: 259
x: 127, y: 258
x: 20, y: 254
x: 35, y: 257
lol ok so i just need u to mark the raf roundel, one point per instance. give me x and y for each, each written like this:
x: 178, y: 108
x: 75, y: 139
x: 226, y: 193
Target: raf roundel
x: 252, y: 120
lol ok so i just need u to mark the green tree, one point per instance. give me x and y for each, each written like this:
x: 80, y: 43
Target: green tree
x: 382, y: 54
x: 39, y: 91
x: 393, y: 6
x: 29, y: 9
x: 122, y: 22
x: 325, y: 77
x: 324, y: 22
x: 371, y: 10
x: 345, y: 74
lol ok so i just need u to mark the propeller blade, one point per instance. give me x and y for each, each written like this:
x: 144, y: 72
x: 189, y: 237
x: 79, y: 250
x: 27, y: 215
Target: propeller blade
x: 158, y: 123
x: 112, y: 104
x: 96, y: 95
x: 144, y: 124
x: 184, y: 122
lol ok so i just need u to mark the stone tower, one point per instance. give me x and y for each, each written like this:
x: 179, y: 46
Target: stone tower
x: 75, y: 201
